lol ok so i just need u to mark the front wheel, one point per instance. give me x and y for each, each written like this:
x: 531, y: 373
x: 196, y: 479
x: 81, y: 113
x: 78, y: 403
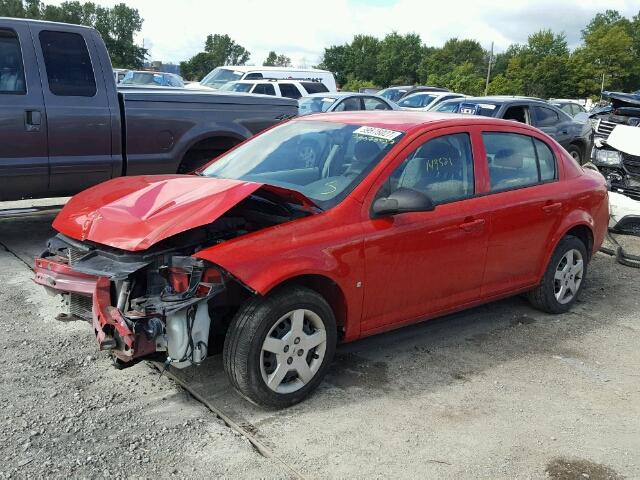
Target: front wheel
x: 563, y: 278
x: 279, y: 347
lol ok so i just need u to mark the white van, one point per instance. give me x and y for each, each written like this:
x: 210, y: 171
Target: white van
x: 221, y: 75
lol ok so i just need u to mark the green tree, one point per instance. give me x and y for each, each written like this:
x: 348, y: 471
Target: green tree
x: 336, y: 60
x: 462, y: 78
x: 453, y: 53
x: 398, y: 59
x: 501, y: 85
x: 275, y: 60
x: 117, y: 25
x: 353, y: 84
x: 218, y: 50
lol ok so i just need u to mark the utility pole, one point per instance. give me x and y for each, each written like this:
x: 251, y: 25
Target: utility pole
x: 602, y: 86
x: 486, y: 87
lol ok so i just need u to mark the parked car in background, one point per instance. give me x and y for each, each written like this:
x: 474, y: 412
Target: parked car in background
x: 278, y: 88
x: 616, y: 151
x: 145, y: 78
x: 221, y: 75
x: 66, y: 126
x: 395, y: 93
x: 119, y: 73
x: 404, y: 217
x: 570, y: 107
x: 425, y: 101
x: 575, y: 136
x: 343, y: 102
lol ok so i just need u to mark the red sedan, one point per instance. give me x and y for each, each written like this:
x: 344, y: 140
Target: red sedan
x: 273, y: 255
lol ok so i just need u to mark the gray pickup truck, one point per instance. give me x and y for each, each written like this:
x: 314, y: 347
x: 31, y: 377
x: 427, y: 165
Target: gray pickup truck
x: 64, y: 126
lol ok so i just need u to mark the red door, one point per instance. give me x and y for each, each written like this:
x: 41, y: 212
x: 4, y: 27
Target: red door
x: 527, y: 207
x: 421, y: 263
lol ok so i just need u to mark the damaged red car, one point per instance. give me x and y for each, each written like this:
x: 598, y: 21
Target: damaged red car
x: 324, y: 229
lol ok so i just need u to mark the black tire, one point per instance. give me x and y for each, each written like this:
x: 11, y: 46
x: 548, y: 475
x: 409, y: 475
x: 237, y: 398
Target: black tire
x: 543, y: 296
x: 576, y: 152
x: 247, y: 332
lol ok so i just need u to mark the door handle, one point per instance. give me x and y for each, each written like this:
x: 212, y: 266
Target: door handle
x: 32, y: 120
x: 472, y: 225
x: 552, y: 207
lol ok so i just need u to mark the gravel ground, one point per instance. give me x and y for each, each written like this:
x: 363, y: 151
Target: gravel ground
x: 66, y: 413
x: 498, y: 392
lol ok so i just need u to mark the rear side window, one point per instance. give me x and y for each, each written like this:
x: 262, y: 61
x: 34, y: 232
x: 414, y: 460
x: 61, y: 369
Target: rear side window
x: 252, y: 76
x: 371, y: 103
x: 289, y: 90
x: 11, y: 66
x: 314, y: 87
x: 517, y: 161
x: 264, y: 89
x: 69, y: 70
x: 545, y: 117
x: 351, y: 104
x: 546, y: 161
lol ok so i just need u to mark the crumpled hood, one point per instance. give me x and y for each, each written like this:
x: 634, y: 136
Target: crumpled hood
x: 133, y: 213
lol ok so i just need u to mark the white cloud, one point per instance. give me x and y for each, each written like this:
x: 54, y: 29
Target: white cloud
x: 175, y: 30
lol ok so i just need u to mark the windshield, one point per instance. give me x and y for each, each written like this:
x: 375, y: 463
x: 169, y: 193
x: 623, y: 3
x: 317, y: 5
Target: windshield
x: 219, y: 76
x: 309, y: 105
x: 236, y: 87
x: 142, y: 78
x: 324, y: 161
x: 392, y: 94
x: 418, y: 100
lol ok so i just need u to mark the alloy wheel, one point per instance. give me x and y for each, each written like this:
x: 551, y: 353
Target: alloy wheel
x: 293, y: 351
x: 568, y: 276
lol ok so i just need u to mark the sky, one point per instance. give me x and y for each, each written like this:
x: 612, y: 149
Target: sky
x: 174, y: 30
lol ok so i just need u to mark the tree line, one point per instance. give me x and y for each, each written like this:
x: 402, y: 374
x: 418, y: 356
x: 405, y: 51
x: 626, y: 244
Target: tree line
x: 543, y: 67
x: 117, y: 24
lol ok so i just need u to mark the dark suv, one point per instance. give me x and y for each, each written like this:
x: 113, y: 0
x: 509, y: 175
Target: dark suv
x: 576, y: 137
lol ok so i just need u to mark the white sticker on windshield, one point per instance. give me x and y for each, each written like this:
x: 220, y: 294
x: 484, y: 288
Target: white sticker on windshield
x: 488, y: 106
x: 382, y: 133
x: 328, y: 99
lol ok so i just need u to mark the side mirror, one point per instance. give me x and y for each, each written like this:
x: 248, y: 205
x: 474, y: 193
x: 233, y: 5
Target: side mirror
x: 402, y: 200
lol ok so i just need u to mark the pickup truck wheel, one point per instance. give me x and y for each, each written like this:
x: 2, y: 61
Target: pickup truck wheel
x: 563, y: 278
x: 576, y: 152
x: 279, y: 347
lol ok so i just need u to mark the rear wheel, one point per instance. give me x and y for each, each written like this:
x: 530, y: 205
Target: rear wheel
x: 563, y: 278
x: 279, y: 347
x: 576, y: 152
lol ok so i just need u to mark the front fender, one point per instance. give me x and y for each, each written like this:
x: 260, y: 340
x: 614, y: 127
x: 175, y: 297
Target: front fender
x: 268, y: 258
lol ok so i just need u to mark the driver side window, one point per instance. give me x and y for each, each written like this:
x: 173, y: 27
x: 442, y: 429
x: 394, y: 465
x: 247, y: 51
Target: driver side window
x: 441, y: 168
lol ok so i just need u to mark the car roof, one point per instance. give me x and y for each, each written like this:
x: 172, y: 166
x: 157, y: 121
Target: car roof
x: 432, y: 93
x: 505, y: 99
x: 340, y: 94
x: 404, y: 121
x: 252, y: 68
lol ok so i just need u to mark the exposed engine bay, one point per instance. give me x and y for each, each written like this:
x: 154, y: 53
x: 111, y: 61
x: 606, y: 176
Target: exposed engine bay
x: 159, y: 303
x: 616, y: 150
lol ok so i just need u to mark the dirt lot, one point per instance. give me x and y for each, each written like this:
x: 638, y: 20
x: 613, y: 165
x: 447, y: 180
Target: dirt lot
x: 499, y: 392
